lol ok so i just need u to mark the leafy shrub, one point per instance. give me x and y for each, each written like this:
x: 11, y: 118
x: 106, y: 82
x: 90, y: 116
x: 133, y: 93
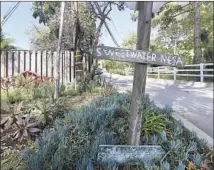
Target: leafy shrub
x: 153, y: 122
x: 112, y: 65
x: 118, y: 71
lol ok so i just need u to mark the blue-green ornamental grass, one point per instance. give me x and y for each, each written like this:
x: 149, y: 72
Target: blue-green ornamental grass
x: 73, y: 141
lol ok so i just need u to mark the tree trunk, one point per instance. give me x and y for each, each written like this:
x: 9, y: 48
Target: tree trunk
x: 57, y: 70
x: 96, y: 40
x: 138, y: 91
x: 77, y: 54
x: 197, y: 33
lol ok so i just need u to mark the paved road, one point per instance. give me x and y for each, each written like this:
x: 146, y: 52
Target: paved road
x: 194, y: 103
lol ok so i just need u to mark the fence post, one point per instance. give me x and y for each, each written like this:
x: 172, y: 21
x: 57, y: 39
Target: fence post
x: 201, y: 72
x: 175, y: 73
x: 158, y: 73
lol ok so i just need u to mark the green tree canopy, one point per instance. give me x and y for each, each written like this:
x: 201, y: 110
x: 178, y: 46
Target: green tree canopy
x: 175, y: 33
x: 6, y: 43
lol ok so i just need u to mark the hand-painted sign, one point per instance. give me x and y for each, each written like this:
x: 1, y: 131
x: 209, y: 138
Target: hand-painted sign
x: 138, y: 56
x: 124, y: 154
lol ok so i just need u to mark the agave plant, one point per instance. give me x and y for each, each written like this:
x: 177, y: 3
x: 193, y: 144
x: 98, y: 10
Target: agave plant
x: 7, y: 122
x: 43, y: 111
x: 13, y: 111
x: 25, y: 129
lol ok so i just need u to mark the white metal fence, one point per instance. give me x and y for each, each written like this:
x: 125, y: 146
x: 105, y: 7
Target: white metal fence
x: 196, y: 70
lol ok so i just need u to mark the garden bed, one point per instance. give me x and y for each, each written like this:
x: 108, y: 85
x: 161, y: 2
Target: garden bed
x: 80, y: 122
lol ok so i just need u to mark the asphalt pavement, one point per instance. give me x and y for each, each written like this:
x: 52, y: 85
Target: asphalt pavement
x: 191, y: 100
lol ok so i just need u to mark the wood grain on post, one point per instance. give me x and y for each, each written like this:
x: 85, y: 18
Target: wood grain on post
x: 143, y: 40
x: 41, y: 64
x: 36, y: 62
x: 13, y: 58
x: 6, y: 64
x: 30, y: 55
x: 19, y: 61
x: 46, y: 64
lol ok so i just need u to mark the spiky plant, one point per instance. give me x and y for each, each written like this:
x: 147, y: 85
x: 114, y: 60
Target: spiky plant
x: 12, y: 111
x: 25, y: 128
x: 43, y: 111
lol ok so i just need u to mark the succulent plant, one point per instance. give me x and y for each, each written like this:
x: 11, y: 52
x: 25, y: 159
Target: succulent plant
x: 43, y: 111
x: 13, y: 111
x: 165, y: 165
x: 180, y: 166
x: 7, y: 122
x: 25, y: 129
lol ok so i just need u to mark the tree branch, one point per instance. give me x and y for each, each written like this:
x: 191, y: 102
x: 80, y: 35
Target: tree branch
x: 110, y: 33
x: 190, y: 10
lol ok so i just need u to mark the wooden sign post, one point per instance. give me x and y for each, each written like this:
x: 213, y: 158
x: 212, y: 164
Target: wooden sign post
x: 141, y: 57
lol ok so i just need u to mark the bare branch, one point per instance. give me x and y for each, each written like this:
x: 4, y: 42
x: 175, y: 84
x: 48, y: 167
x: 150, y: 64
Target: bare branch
x: 110, y: 33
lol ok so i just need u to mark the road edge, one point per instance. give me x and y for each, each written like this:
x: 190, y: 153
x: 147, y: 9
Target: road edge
x: 192, y: 128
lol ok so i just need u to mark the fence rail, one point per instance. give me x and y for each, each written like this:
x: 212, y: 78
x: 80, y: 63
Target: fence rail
x: 14, y: 62
x: 196, y: 70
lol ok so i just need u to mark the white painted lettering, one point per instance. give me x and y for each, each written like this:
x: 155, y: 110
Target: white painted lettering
x: 179, y: 61
x: 144, y: 55
x: 153, y: 57
x: 163, y: 58
x: 148, y: 56
x: 127, y: 53
x: 173, y: 60
x: 109, y: 52
x: 122, y: 54
x: 139, y: 55
x: 133, y: 54
x: 98, y: 51
x: 169, y: 60
x: 117, y: 53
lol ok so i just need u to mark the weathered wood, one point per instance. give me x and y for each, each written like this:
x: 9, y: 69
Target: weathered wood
x: 124, y: 154
x: 19, y: 61
x: 137, y: 56
x: 36, y: 62
x: 46, y: 66
x: 41, y: 65
x: 30, y: 56
x: 13, y: 58
x: 6, y: 63
x: 24, y: 61
x: 52, y: 64
x: 143, y: 40
x: 70, y: 66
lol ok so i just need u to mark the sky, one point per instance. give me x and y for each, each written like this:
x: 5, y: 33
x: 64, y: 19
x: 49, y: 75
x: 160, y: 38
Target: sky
x: 18, y: 23
x: 21, y: 20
